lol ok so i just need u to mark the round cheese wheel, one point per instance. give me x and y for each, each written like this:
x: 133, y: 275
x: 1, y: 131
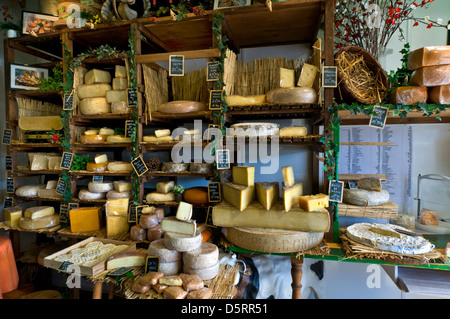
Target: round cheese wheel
x: 119, y: 167
x: 182, y: 242
x: 92, y: 90
x: 292, y: 95
x: 160, y: 197
x: 96, y: 167
x: 118, y: 139
x: 94, y: 106
x: 172, y: 167
x: 28, y: 190
x: 204, y: 273
x: 113, y: 194
x: 92, y: 139
x: 157, y: 248
x: 255, y: 129
x: 154, y: 139
x: 85, y: 194
x: 237, y: 100
x: 207, y: 255
x: 363, y: 197
x: 170, y: 268
x: 182, y: 107
x: 100, y: 187
x: 200, y: 168
x: 106, y: 131
x: 196, y: 195
x: 39, y: 223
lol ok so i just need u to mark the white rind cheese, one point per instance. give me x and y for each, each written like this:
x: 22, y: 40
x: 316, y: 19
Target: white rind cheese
x: 255, y: 129
x: 205, y: 256
x: 172, y: 268
x: 85, y: 194
x: 182, y: 242
x: 203, y: 273
x: 157, y: 248
x: 100, y: 187
x: 363, y: 197
x: 160, y: 197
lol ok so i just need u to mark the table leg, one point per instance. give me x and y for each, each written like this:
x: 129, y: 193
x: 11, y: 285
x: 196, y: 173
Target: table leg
x: 14, y: 236
x: 111, y: 291
x: 296, y: 273
x: 97, y: 293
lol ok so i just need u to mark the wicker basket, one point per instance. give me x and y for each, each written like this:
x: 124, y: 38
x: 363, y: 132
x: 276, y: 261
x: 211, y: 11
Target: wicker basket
x: 347, y: 94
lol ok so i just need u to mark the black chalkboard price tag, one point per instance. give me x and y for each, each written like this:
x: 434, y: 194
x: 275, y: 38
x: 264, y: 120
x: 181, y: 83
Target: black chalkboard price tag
x: 215, y: 100
x: 130, y: 128
x: 335, y: 191
x: 329, y: 77
x: 139, y: 212
x: 61, y: 186
x: 64, y: 213
x: 68, y: 102
x: 223, y: 159
x: 8, y: 202
x: 139, y: 166
x: 176, y: 65
x: 10, y: 185
x: 132, y: 97
x: 97, y: 178
x: 132, y: 216
x: 119, y: 271
x: 7, y: 134
x: 379, y: 119
x: 8, y: 163
x: 209, y: 220
x: 64, y: 265
x: 214, y: 194
x: 212, y: 72
x: 352, y: 184
x: 66, y: 160
x: 151, y: 264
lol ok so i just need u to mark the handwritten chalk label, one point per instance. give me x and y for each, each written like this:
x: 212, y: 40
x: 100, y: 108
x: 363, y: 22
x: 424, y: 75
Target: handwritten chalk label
x: 132, y: 216
x: 66, y: 160
x: 10, y: 185
x: 379, y: 119
x: 64, y: 213
x: 139, y: 210
x: 61, y: 186
x: 223, y: 159
x: 329, y: 77
x: 130, y: 128
x: 8, y: 202
x: 214, y: 192
x: 132, y: 97
x: 64, y: 265
x: 213, y: 130
x: 68, y: 102
x: 352, y: 184
x: 73, y: 205
x: 212, y: 73
x: 151, y: 264
x: 8, y: 163
x: 209, y: 220
x: 7, y: 134
x: 215, y: 100
x: 335, y: 191
x: 139, y: 166
x: 176, y: 65
x: 97, y: 178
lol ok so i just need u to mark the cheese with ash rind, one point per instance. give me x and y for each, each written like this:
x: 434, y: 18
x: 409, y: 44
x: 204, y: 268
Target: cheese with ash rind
x: 97, y: 76
x: 204, y: 256
x: 290, y: 195
x: 254, y: 129
x: 239, y: 196
x: 39, y: 223
x: 182, y: 107
x: 294, y: 95
x: 172, y: 167
x: 181, y: 242
x: 204, y: 273
x: 363, y: 197
x: 173, y: 225
x: 267, y: 194
x: 100, y: 187
x: 160, y: 197
x: 12, y: 216
x: 313, y: 202
x: 94, y: 106
x: 408, y: 245
x: 237, y: 100
x: 371, y: 184
x: 244, y: 175
x: 166, y: 255
x: 92, y: 90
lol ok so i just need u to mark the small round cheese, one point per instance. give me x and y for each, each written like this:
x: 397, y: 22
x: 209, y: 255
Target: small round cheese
x: 100, y: 187
x: 147, y: 221
x: 96, y: 167
x: 92, y: 139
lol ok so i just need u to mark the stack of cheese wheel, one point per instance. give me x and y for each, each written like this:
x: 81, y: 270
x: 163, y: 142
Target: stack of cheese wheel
x: 39, y: 217
x: 92, y: 93
x: 95, y: 136
x: 118, y: 95
x: 164, y: 192
x: 160, y: 136
x: 99, y: 165
x: 49, y: 191
x: 122, y: 189
x: 95, y: 191
x: 149, y: 225
x: 116, y: 212
x: 369, y: 193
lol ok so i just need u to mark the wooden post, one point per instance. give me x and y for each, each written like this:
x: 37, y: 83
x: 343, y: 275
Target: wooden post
x: 97, y: 293
x: 296, y: 273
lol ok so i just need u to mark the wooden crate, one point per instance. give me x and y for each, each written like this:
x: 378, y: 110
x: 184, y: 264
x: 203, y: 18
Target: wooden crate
x: 84, y: 270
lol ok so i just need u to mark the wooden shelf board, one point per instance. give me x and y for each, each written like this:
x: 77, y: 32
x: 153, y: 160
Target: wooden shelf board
x: 37, y: 198
x: 169, y: 117
x: 413, y: 117
x: 20, y: 146
x: 87, y: 173
x: 54, y: 97
x: 156, y: 147
x: 36, y: 172
x: 79, y: 146
x: 168, y: 174
x: 49, y: 230
x: 83, y: 119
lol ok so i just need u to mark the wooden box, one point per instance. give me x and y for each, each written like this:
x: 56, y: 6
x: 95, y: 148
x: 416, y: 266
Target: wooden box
x: 49, y: 261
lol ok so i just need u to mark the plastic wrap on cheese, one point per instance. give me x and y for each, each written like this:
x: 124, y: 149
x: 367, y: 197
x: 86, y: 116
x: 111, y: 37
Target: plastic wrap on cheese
x: 182, y: 107
x: 409, y: 95
x: 238, y: 100
x: 431, y: 76
x: 429, y: 56
x: 294, y: 95
x: 439, y: 94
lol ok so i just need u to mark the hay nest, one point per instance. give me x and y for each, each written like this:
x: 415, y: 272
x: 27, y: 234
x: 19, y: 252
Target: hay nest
x: 361, y: 77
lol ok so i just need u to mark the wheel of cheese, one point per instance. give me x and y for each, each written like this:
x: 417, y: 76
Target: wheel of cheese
x: 182, y: 107
x: 255, y: 129
x: 39, y: 223
x: 157, y: 248
x: 92, y: 90
x: 100, y: 187
x: 28, y: 190
x: 200, y: 168
x: 154, y: 139
x: 237, y: 100
x: 204, y: 273
x: 120, y: 107
x: 409, y: 245
x: 94, y: 106
x: 96, y: 167
x: 113, y: 194
x: 119, y: 167
x: 171, y: 167
x: 272, y: 240
x: 92, y: 139
x: 85, y: 194
x: 196, y: 195
x: 182, y: 242
x: 363, y: 197
x: 293, y: 131
x: 171, y: 268
x: 292, y: 95
x: 205, y: 256
x: 118, y: 139
x: 160, y: 197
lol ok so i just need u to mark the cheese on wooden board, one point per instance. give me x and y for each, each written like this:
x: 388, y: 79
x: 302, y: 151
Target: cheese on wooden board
x: 371, y: 184
x: 100, y: 187
x: 173, y: 225
x: 313, y: 202
x: 181, y: 242
x: 92, y: 90
x: 96, y: 167
x: 116, y: 225
x: 115, y: 96
x: 118, y: 139
x: 271, y: 240
x: 196, y: 195
x: 106, y: 131
x: 123, y: 186
x: 38, y: 212
x: 147, y: 221
x: 154, y: 233
x: 162, y: 133
x: 120, y: 107
x: 431, y: 76
x: 120, y: 71
x: 244, y: 175
x: 204, y: 273
x: 12, y: 216
x: 182, y: 107
x: 307, y: 75
x: 290, y: 196
x: 117, y: 207
x: 165, y: 187
x: 28, y: 190
x: 203, y: 293
x: 409, y: 95
x: 288, y: 176
x: 40, y: 123
x: 204, y: 256
x: 101, y: 158
x: 191, y: 282
x: 440, y: 94
x: 184, y: 211
x: 287, y: 78
x: 39, y: 223
x: 119, y: 167
x: 201, y: 168
x: 294, y: 95
x: 113, y: 194
x: 171, y: 280
x: 97, y: 76
x: 119, y: 84
x: 137, y: 233
x: 92, y: 139
x: 174, y: 292
x: 160, y: 197
x: 238, y: 100
x: 126, y: 259
x: 85, y: 219
x: 267, y: 194
x: 293, y: 131
x: 224, y: 215
x: 238, y: 196
x: 172, y: 167
x: 254, y: 129
x: 94, y: 106
x: 166, y: 255
x: 429, y: 56
x: 85, y: 194
x: 363, y: 197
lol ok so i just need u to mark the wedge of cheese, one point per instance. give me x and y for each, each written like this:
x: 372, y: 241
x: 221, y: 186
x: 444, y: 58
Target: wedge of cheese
x: 307, y: 75
x: 116, y: 225
x: 117, y: 207
x: 38, y: 212
x: 287, y: 78
x: 39, y: 223
x: 101, y: 158
x: 97, y: 76
x: 290, y: 196
x: 267, y: 194
x: 184, y: 211
x: 12, y: 216
x: 165, y: 187
x: 288, y: 176
x: 239, y: 196
x: 84, y: 219
x: 123, y: 186
x: 244, y: 175
x: 313, y: 202
x: 174, y: 225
